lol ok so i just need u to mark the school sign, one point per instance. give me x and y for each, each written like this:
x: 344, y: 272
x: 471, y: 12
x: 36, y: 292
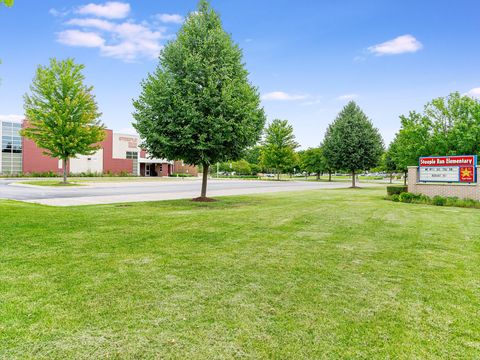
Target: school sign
x: 452, y: 169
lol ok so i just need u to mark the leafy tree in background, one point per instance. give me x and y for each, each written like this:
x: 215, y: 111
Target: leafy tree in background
x: 455, y: 125
x: 388, y: 163
x: 199, y: 105
x: 351, y: 142
x: 7, y: 2
x: 412, y: 141
x: 253, y: 155
x: 313, y: 161
x: 62, y: 113
x: 278, y: 151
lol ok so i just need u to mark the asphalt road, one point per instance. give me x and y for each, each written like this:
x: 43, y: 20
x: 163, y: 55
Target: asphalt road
x: 130, y: 191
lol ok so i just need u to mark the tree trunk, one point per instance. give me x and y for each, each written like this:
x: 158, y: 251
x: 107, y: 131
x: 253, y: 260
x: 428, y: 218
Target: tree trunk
x: 318, y: 176
x: 278, y: 175
x: 329, y: 176
x: 391, y: 178
x: 204, y: 181
x: 405, y: 178
x: 64, y: 164
x: 353, y: 179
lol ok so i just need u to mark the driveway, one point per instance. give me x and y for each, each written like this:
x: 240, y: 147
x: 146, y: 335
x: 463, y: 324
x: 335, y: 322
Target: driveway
x: 132, y: 191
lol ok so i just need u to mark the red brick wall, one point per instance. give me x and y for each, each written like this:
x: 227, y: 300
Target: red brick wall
x: 33, y: 159
x: 113, y: 165
x: 184, y: 169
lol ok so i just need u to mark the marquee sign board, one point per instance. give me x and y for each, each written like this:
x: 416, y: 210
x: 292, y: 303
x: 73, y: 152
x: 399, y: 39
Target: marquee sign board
x: 461, y: 168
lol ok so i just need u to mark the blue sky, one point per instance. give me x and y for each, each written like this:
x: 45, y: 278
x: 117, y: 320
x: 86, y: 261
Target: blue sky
x: 307, y: 57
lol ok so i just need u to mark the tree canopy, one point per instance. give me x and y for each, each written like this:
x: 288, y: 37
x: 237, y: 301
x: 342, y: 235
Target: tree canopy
x: 448, y: 126
x: 61, y: 111
x: 199, y: 105
x: 278, y: 151
x: 351, y: 142
x: 313, y: 161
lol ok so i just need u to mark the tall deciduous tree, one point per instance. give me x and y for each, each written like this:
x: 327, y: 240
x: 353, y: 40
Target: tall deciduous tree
x: 278, y: 151
x: 313, y: 161
x: 199, y: 105
x: 62, y: 114
x: 455, y: 125
x: 351, y: 142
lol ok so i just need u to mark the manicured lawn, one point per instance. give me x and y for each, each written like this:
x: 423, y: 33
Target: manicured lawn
x: 58, y: 183
x: 319, y: 274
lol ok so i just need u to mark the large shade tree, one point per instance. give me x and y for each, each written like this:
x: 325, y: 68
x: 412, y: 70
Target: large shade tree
x: 199, y: 105
x: 351, y: 142
x: 62, y: 114
x: 278, y: 150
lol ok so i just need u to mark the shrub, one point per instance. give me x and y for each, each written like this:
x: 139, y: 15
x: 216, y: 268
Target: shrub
x: 406, y: 197
x: 396, y: 189
x: 182, y: 175
x: 439, y: 200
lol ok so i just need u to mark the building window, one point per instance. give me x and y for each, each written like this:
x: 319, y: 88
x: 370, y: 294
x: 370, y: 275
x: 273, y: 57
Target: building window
x: 11, y: 145
x: 132, y: 155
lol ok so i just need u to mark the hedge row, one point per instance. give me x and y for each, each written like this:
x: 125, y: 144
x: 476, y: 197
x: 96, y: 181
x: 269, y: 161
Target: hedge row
x: 396, y: 189
x: 407, y: 197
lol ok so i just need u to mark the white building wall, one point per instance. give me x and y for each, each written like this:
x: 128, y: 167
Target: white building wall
x: 123, y: 143
x: 87, y: 163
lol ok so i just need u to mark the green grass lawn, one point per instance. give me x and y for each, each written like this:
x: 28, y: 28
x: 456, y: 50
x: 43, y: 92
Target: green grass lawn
x: 58, y: 183
x: 319, y: 274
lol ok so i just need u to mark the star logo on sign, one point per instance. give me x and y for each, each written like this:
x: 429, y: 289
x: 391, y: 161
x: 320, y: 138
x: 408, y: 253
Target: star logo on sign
x: 466, y: 173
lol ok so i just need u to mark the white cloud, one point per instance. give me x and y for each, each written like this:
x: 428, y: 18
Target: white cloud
x: 121, y: 39
x: 56, y: 12
x: 347, y: 97
x: 170, y: 18
x: 135, y: 40
x: 126, y: 41
x: 92, y: 23
x: 109, y: 10
x: 80, y: 38
x: 399, y: 45
x: 282, y: 96
x: 11, y: 117
x: 473, y: 93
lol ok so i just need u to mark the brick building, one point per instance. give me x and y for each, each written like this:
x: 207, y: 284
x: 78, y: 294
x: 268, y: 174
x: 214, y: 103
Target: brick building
x: 118, y: 153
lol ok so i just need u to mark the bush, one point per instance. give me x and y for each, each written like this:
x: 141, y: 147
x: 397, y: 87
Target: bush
x: 439, y: 200
x: 396, y: 189
x: 406, y: 197
x: 182, y: 175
